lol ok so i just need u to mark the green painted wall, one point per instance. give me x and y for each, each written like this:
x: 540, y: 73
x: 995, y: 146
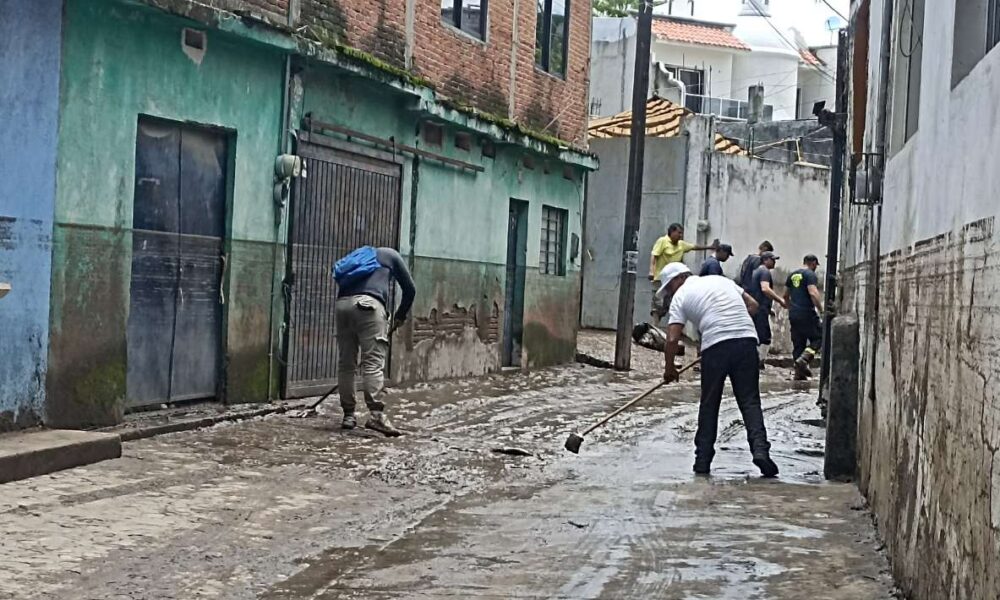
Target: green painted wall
x: 460, y: 242
x: 120, y: 62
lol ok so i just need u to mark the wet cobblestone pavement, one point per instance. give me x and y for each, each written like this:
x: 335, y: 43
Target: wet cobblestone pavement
x: 281, y: 508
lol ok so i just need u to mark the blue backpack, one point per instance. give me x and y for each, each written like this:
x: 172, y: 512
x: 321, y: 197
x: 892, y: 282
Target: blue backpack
x: 357, y: 265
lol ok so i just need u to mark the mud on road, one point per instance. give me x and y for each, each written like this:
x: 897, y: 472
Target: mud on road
x: 283, y: 508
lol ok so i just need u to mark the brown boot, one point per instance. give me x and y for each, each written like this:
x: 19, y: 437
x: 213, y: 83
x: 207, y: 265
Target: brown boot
x: 377, y: 421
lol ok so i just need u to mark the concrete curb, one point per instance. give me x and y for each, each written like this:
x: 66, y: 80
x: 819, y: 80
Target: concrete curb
x: 33, y: 453
x: 133, y: 433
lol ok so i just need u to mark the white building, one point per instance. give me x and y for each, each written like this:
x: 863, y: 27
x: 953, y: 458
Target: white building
x: 718, y: 67
x: 920, y: 270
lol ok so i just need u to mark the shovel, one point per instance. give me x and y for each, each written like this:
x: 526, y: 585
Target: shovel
x: 575, y: 440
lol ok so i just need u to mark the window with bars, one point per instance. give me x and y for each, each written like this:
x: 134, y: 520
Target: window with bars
x: 552, y: 253
x: 467, y: 15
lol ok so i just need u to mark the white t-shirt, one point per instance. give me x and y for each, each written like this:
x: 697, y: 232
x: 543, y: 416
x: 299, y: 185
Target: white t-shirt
x: 714, y: 304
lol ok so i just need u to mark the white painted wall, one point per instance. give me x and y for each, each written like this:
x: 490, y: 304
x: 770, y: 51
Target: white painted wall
x: 818, y: 83
x: 752, y: 200
x: 612, y: 63
x: 717, y: 64
x: 929, y: 418
x: 777, y: 71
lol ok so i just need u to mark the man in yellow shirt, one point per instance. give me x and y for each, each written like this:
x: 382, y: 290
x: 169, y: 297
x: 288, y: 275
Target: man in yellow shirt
x: 668, y: 249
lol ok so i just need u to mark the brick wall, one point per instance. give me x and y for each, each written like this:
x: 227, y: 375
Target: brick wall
x: 542, y: 98
x: 463, y: 68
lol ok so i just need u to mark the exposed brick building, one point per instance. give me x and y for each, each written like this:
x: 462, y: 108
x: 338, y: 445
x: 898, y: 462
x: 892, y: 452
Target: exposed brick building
x: 497, y: 74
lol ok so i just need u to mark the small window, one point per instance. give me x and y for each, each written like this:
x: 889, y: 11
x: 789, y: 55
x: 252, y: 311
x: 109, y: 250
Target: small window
x: 463, y: 141
x: 552, y: 35
x: 467, y: 15
x: 433, y: 134
x: 977, y: 31
x: 489, y: 150
x: 552, y: 253
x: 528, y: 162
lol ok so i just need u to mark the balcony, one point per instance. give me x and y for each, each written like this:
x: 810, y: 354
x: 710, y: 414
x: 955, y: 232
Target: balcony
x: 725, y: 108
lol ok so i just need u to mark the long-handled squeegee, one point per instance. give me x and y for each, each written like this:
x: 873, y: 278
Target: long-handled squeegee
x: 575, y: 440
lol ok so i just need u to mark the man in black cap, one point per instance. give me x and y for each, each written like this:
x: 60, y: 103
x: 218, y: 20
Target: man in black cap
x: 804, y: 305
x: 750, y: 264
x: 713, y: 264
x: 762, y: 291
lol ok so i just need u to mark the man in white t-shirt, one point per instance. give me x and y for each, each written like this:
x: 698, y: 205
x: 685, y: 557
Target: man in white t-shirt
x: 721, y: 311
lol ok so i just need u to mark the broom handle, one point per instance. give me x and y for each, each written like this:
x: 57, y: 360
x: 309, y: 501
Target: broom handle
x: 637, y: 399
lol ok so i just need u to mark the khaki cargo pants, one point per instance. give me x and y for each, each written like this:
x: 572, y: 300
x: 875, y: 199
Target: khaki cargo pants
x: 362, y: 333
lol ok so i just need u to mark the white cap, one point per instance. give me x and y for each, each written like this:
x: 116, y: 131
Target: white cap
x: 668, y: 273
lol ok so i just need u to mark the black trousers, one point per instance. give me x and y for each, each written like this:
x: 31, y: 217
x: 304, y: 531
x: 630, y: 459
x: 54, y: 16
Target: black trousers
x: 807, y: 332
x: 737, y: 360
x: 762, y: 323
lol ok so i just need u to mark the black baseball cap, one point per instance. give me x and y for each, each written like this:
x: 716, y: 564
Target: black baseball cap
x: 810, y: 258
x: 767, y: 255
x: 726, y: 248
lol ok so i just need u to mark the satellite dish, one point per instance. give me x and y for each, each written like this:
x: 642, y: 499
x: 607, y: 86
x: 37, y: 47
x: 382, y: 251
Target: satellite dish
x: 835, y: 24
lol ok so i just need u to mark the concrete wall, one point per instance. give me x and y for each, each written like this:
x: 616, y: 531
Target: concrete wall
x: 30, y: 42
x: 612, y: 64
x: 777, y: 71
x: 801, y: 140
x: 926, y: 288
x: 752, y: 200
x: 454, y: 233
x: 662, y: 204
x: 121, y: 62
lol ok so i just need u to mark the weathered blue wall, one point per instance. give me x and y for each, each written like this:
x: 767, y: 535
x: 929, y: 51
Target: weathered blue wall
x: 30, y: 40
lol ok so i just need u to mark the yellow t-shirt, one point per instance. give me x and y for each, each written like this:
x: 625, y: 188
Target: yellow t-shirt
x: 665, y: 251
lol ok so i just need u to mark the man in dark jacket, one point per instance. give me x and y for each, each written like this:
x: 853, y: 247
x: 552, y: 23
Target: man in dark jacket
x: 363, y: 332
x: 750, y: 264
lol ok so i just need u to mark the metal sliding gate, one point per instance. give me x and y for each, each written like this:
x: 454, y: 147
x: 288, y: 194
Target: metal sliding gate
x: 348, y: 199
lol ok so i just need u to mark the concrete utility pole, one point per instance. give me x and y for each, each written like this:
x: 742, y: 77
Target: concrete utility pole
x: 633, y: 190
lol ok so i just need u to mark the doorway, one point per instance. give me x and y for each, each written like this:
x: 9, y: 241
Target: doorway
x: 517, y: 258
x: 174, y: 330
x: 348, y: 200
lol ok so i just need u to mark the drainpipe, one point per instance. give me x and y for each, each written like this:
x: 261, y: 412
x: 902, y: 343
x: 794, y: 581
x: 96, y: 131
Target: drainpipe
x: 284, y: 146
x: 673, y: 82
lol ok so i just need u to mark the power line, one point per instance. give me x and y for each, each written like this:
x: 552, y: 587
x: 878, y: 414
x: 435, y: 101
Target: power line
x: 835, y: 11
x: 794, y: 47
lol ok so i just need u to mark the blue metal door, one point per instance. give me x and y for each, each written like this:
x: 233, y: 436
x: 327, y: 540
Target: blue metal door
x: 175, y: 305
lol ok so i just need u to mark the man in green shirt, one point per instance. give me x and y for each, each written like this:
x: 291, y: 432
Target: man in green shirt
x: 668, y: 249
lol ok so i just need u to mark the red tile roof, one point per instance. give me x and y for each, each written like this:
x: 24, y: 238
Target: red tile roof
x: 809, y: 58
x: 703, y: 34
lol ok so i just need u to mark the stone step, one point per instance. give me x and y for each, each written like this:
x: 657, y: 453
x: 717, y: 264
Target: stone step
x: 26, y: 454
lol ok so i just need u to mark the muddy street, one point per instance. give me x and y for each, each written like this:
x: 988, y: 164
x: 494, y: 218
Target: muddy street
x: 283, y: 507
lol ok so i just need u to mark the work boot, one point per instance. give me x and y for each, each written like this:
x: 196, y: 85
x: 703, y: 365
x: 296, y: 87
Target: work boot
x: 802, y: 372
x: 380, y: 423
x: 805, y: 359
x: 765, y: 464
x: 349, y: 422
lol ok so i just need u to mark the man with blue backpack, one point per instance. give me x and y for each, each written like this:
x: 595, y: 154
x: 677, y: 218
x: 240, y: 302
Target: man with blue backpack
x: 366, y: 278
